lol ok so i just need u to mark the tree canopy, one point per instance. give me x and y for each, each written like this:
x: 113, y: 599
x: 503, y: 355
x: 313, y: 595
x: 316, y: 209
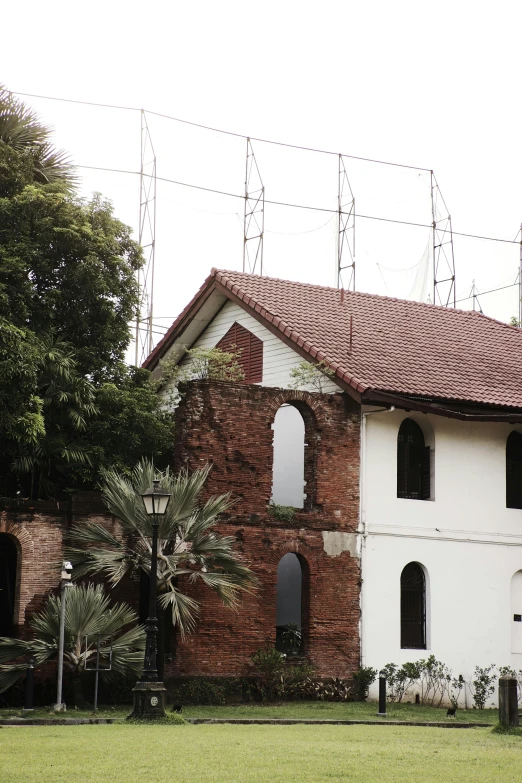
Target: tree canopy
x: 69, y: 405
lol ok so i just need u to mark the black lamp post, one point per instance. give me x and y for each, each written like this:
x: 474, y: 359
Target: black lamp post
x: 149, y: 694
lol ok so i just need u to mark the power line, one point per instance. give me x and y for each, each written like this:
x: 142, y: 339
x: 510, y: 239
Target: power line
x: 220, y: 130
x: 302, y: 206
x: 492, y: 291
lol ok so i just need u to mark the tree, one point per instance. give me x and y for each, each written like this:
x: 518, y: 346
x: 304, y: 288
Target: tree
x: 22, y: 132
x: 130, y: 424
x: 69, y: 266
x: 189, y: 549
x: 66, y: 402
x: 88, y: 612
x: 315, y: 376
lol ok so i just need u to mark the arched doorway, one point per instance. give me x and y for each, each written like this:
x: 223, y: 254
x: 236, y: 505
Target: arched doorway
x: 8, y: 567
x: 289, y: 604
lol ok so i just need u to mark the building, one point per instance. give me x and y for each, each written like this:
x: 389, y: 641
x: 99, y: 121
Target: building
x: 403, y: 475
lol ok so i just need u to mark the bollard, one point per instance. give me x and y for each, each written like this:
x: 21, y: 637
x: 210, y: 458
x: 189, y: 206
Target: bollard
x: 29, y: 686
x: 508, y: 701
x: 382, y: 696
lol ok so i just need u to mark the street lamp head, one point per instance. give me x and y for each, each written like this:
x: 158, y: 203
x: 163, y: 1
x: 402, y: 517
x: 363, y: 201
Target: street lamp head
x: 156, y: 500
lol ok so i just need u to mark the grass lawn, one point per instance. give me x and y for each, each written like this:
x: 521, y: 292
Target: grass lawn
x: 297, y: 709
x: 256, y: 754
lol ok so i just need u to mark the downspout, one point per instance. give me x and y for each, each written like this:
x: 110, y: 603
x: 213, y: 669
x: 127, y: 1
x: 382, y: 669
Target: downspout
x: 362, y: 534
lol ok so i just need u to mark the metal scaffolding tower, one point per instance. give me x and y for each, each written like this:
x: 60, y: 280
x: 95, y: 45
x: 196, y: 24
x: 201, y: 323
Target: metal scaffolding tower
x: 345, y: 229
x: 147, y: 240
x: 444, y: 286
x: 254, y: 219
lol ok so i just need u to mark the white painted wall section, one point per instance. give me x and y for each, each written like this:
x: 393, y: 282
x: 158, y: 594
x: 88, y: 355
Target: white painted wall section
x: 468, y: 542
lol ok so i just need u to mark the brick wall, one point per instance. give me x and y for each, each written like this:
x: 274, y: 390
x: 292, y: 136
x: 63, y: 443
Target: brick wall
x: 229, y: 425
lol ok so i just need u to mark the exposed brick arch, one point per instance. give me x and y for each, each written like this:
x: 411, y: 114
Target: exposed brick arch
x: 312, y: 414
x: 25, y: 555
x: 298, y: 548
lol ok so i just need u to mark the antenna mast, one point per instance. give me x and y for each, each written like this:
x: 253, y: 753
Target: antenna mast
x: 345, y: 228
x: 254, y: 219
x: 444, y: 286
x: 147, y: 240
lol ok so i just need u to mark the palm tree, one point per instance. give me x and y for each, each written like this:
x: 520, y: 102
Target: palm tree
x: 88, y: 613
x: 22, y: 130
x: 188, y: 545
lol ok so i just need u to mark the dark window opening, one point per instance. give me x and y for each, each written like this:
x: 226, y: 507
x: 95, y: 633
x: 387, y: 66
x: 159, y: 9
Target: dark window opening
x: 413, y: 607
x: 250, y: 351
x: 514, y: 471
x: 289, y: 605
x: 517, y: 618
x: 413, y: 463
x: 8, y: 566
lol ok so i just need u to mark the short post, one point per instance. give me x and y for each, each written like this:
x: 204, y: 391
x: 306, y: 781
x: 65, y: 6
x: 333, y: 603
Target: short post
x: 382, y: 696
x: 29, y: 686
x: 508, y: 701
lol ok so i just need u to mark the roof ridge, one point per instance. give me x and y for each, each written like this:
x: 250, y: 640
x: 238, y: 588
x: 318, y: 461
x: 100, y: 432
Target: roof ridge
x: 364, y: 294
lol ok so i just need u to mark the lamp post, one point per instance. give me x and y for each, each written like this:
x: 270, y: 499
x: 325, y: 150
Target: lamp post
x: 65, y: 583
x: 149, y: 694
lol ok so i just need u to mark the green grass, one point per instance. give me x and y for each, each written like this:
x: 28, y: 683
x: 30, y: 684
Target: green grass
x: 340, y: 711
x: 256, y: 754
x: 296, y: 709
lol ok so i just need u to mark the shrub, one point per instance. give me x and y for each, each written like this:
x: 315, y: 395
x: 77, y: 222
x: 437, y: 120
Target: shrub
x: 282, y: 513
x: 483, y: 685
x: 269, y: 664
x: 363, y: 679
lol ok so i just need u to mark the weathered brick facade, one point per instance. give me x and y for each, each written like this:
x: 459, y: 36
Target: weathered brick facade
x: 230, y: 425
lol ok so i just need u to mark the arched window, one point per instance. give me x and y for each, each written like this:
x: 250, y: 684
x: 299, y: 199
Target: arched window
x: 289, y: 458
x: 8, y: 566
x: 249, y: 348
x: 514, y: 470
x: 413, y: 462
x: 289, y: 604
x: 413, y: 607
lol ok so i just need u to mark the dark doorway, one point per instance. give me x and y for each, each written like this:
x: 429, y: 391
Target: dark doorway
x: 8, y: 565
x: 413, y: 607
x: 514, y: 470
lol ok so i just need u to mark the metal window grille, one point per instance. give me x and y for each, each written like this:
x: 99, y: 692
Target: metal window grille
x: 413, y: 607
x: 413, y: 463
x: 514, y: 471
x: 249, y: 348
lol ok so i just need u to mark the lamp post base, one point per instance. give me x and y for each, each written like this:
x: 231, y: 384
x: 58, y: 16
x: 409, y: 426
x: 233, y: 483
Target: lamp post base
x: 148, y: 700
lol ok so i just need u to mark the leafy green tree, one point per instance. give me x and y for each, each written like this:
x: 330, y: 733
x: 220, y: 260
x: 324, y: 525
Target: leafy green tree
x: 66, y: 402
x: 130, y: 424
x: 315, y: 376
x: 189, y: 548
x: 21, y: 418
x: 69, y: 265
x: 88, y: 612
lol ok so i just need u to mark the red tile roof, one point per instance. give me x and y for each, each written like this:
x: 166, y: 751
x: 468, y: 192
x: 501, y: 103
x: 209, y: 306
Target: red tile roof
x: 397, y: 346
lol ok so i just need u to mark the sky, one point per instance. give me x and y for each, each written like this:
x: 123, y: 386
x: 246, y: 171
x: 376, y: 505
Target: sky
x: 434, y: 86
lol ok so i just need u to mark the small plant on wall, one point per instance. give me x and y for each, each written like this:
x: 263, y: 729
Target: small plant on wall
x: 201, y: 364
x: 314, y: 376
x: 282, y: 513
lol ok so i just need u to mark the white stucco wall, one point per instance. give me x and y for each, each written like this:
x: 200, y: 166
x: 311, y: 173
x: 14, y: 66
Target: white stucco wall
x: 278, y: 358
x: 467, y: 540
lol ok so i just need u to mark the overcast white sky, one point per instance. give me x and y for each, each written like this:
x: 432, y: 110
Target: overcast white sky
x: 434, y: 85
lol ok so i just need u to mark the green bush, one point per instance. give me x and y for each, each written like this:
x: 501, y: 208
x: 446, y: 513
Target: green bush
x: 282, y: 513
x: 364, y: 677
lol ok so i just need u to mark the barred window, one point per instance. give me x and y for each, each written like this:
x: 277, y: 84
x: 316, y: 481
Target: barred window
x: 413, y: 463
x: 514, y: 470
x: 413, y: 607
x: 249, y: 348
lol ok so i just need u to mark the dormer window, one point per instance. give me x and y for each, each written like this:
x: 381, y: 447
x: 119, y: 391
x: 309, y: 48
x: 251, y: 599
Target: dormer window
x: 249, y: 348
